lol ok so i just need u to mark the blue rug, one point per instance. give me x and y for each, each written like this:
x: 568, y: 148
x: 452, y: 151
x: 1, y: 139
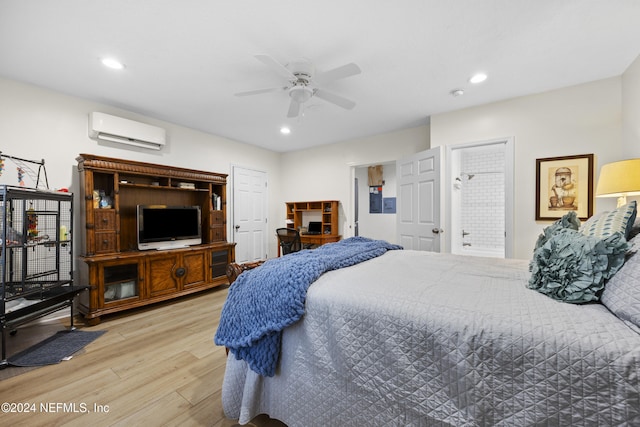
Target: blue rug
x: 55, y: 348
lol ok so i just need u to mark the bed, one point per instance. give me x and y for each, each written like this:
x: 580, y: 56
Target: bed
x: 410, y: 338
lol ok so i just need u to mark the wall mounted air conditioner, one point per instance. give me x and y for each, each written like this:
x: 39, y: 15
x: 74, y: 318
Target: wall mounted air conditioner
x: 116, y: 129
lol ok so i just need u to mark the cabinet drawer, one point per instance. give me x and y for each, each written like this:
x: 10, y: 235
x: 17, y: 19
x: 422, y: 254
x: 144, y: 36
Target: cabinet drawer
x: 217, y: 233
x: 105, y: 242
x: 105, y: 219
x: 217, y: 217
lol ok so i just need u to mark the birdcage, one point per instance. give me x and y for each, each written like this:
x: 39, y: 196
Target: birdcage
x: 36, y: 258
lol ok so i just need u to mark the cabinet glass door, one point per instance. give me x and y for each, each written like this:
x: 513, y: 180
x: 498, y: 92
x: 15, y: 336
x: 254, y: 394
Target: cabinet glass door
x: 120, y: 282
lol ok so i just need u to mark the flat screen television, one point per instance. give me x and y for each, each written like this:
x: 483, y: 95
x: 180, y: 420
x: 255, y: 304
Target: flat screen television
x: 168, y: 227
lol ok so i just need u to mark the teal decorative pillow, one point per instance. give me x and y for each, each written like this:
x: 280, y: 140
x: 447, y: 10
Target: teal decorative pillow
x: 569, y: 220
x: 619, y: 220
x: 572, y: 267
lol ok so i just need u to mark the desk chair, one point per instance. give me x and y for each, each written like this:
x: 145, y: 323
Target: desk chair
x: 289, y: 240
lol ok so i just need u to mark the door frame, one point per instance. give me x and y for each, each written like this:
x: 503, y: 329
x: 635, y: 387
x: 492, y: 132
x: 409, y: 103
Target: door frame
x: 509, y: 175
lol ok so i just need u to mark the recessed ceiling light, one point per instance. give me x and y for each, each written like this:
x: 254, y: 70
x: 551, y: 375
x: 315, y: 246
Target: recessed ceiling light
x: 456, y: 92
x: 478, y: 78
x: 112, y: 63
x: 285, y: 130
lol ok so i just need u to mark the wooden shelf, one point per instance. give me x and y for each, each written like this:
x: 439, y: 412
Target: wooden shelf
x: 161, y: 187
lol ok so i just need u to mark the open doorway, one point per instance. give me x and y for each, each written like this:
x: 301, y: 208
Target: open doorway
x: 371, y: 220
x: 480, y: 193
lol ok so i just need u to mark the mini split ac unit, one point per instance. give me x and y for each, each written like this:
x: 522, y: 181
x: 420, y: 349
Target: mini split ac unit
x: 116, y: 129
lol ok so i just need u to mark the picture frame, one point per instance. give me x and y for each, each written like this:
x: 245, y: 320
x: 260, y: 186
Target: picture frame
x: 564, y: 184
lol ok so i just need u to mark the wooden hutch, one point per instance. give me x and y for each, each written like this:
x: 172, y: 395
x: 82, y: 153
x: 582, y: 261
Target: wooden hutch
x: 119, y: 275
x: 329, y: 212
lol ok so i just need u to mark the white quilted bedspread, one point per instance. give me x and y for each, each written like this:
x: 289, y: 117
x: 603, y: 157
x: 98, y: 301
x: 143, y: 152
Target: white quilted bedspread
x: 421, y: 339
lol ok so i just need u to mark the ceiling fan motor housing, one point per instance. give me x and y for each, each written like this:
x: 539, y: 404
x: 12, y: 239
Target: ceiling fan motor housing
x: 303, y: 70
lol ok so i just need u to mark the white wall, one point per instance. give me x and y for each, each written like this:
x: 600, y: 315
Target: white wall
x: 41, y: 124
x: 631, y: 114
x: 575, y: 120
x: 599, y: 117
x: 326, y: 173
x: 631, y: 111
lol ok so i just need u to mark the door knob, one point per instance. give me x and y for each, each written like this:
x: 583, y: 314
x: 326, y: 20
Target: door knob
x: 237, y: 227
x: 437, y: 230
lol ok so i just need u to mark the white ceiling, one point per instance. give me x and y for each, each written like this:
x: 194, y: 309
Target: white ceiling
x: 185, y: 59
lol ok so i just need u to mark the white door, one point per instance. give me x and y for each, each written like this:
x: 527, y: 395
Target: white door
x: 249, y: 226
x: 418, y: 201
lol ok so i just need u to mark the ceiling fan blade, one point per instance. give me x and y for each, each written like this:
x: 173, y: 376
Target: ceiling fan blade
x: 335, y: 99
x: 342, y: 72
x: 294, y: 109
x: 259, y: 91
x: 276, y: 66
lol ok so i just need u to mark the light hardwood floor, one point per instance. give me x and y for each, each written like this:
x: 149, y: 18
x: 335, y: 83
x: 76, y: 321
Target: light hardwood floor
x: 156, y: 366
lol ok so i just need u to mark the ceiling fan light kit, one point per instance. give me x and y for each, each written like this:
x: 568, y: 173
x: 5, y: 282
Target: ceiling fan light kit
x: 300, y: 93
x: 303, y: 83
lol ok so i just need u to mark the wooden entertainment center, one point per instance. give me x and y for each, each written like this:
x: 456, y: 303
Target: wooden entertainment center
x: 119, y: 275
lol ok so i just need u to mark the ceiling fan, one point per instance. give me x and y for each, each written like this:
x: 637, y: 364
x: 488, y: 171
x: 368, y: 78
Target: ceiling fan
x: 303, y: 83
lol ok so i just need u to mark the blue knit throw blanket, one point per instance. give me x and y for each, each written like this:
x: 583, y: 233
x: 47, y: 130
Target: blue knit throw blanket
x: 265, y: 300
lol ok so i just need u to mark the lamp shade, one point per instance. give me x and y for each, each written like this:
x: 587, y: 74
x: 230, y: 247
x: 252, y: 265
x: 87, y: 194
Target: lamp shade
x: 619, y: 179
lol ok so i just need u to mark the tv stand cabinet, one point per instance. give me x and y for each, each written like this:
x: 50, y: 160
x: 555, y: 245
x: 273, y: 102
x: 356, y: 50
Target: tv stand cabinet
x: 120, y: 276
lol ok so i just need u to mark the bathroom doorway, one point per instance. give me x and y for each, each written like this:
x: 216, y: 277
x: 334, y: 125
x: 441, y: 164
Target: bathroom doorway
x: 480, y: 192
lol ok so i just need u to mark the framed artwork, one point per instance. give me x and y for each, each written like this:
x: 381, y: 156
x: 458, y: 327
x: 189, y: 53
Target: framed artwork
x: 564, y: 184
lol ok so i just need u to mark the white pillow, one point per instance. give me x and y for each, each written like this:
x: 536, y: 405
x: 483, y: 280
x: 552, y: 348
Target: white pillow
x: 621, y: 293
x: 608, y: 223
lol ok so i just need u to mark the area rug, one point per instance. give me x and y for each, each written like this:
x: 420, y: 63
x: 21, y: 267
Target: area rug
x: 55, y: 348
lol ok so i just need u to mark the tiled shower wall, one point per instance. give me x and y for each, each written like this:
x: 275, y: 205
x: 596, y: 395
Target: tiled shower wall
x: 483, y: 198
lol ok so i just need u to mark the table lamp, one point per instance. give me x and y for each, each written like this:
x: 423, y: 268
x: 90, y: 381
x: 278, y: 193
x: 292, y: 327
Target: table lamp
x: 619, y: 179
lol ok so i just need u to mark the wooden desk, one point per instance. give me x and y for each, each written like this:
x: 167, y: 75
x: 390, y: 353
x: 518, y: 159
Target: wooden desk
x: 316, y: 239
x: 325, y: 210
x: 319, y: 239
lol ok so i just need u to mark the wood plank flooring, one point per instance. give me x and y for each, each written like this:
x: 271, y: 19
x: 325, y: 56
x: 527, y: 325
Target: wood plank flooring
x: 154, y: 366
